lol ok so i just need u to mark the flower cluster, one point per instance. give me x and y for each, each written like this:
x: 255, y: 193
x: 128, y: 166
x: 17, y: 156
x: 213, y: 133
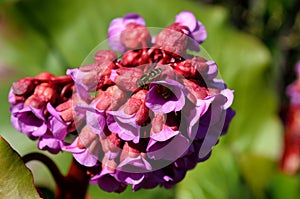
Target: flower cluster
x: 144, y: 118
x: 41, y: 108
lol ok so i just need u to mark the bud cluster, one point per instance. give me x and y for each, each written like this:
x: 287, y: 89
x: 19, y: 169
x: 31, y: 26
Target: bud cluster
x: 41, y: 108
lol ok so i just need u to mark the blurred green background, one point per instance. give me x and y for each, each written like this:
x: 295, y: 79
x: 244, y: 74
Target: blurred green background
x: 255, y: 43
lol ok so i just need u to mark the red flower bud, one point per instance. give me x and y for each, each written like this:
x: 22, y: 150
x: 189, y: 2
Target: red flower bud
x: 135, y: 36
x: 23, y: 87
x: 173, y: 39
x: 105, y: 56
x: 45, y: 92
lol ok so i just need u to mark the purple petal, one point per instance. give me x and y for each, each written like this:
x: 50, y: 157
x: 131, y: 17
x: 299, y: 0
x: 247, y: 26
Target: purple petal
x: 110, y: 184
x: 56, y: 125
x: 81, y: 89
x: 199, y: 33
x: 83, y: 156
x: 50, y: 144
x: 124, y: 125
x: 229, y: 95
x: 28, y: 120
x: 168, y: 150
x: 132, y: 170
x: 158, y: 104
x: 186, y: 18
x: 134, y: 165
x: 212, y: 70
x: 134, y: 18
x: 165, y: 134
x: 193, y: 114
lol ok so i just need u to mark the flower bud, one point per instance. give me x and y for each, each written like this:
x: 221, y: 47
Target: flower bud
x: 23, y: 87
x: 173, y: 39
x: 135, y: 36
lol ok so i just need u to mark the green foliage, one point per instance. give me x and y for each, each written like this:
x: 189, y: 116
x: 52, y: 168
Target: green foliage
x: 15, y: 179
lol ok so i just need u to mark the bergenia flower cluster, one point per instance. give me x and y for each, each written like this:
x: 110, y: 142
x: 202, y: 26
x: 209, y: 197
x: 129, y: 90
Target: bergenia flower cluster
x: 144, y: 117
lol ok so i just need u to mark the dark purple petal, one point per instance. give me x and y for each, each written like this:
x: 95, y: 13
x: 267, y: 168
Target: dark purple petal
x: 229, y: 116
x: 110, y: 184
x: 51, y: 144
x: 169, y: 150
x: 172, y: 176
x: 132, y: 170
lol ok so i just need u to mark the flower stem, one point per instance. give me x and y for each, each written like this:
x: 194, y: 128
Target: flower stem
x: 75, y: 184
x: 58, y: 177
x: 72, y: 186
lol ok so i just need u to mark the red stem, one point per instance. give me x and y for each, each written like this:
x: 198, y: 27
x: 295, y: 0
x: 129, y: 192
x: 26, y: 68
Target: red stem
x: 58, y: 177
x: 72, y: 186
x: 75, y: 184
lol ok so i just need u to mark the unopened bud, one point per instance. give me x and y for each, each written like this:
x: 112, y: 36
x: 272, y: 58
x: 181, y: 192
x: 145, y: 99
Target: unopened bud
x: 23, y: 87
x: 135, y: 36
x: 45, y: 92
x: 105, y: 56
x: 173, y: 39
x: 35, y: 102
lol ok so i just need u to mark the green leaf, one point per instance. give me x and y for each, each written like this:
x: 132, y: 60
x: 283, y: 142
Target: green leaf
x: 217, y: 178
x: 15, y: 179
x: 257, y: 171
x: 284, y: 186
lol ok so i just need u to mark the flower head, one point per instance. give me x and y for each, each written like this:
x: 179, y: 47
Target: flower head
x: 143, y: 119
